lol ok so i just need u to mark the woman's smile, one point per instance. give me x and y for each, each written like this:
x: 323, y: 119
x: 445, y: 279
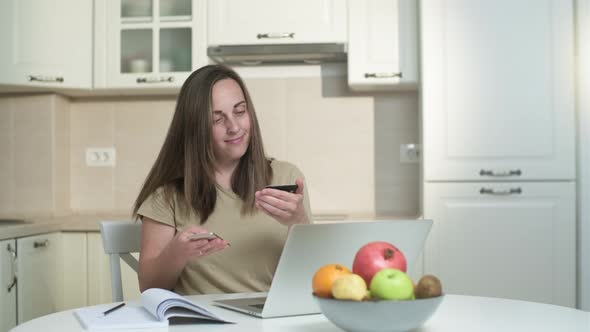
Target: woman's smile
x: 237, y: 140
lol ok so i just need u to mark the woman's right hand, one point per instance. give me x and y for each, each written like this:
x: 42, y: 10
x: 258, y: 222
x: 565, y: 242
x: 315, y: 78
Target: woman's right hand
x: 165, y: 252
x: 181, y: 244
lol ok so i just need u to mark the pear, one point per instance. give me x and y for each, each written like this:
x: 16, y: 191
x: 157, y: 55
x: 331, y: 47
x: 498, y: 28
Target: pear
x: 428, y: 286
x: 349, y: 287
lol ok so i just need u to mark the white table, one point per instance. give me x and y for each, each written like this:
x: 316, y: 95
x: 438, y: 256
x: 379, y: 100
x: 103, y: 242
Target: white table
x: 456, y: 313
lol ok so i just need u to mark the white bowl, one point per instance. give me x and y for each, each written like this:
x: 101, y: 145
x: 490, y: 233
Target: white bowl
x: 378, y: 316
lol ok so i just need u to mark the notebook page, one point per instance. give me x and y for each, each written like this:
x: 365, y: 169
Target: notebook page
x: 129, y: 316
x: 161, y: 303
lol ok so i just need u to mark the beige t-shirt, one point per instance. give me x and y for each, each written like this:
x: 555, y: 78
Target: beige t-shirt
x: 256, y: 240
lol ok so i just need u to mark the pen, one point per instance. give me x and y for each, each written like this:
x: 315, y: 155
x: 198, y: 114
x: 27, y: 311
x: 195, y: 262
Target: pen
x: 113, y: 309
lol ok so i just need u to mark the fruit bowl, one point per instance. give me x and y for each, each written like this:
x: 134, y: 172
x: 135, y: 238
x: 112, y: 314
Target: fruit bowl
x: 378, y: 316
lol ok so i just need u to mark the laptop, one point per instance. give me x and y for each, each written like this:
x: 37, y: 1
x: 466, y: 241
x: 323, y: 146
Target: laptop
x: 308, y: 247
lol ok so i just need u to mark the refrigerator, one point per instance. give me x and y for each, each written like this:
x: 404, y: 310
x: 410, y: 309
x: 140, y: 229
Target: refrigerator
x: 498, y: 103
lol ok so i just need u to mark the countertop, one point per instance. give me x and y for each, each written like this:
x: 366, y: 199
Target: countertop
x: 33, y: 225
x: 40, y: 224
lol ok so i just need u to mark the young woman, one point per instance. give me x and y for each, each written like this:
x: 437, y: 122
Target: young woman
x: 210, y: 176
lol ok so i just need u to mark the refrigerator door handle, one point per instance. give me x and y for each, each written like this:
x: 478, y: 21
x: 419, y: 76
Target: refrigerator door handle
x: 491, y: 191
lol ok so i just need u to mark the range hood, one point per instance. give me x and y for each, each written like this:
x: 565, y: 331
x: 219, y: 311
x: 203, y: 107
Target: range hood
x: 277, y: 53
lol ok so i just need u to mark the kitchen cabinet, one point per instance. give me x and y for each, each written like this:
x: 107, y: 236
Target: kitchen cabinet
x: 238, y: 22
x: 99, y: 274
x: 148, y: 43
x: 382, y: 44
x: 512, y: 239
x: 73, y: 276
x: 56, y: 271
x: 8, y: 285
x: 497, y: 90
x: 42, y: 47
x: 38, y: 276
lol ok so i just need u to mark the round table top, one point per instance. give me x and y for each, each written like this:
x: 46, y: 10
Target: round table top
x: 456, y: 313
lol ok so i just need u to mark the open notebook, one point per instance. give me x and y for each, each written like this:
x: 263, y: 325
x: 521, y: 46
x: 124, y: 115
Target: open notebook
x: 156, y: 308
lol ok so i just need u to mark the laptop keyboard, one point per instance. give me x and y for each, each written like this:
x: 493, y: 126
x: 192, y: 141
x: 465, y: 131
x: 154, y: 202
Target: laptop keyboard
x: 258, y: 305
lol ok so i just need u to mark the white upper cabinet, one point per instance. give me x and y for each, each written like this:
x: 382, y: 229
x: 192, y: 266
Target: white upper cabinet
x: 46, y: 43
x: 382, y: 44
x: 497, y: 90
x: 238, y: 22
x: 148, y: 43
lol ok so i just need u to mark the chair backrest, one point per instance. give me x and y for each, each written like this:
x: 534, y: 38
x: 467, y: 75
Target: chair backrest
x: 120, y: 239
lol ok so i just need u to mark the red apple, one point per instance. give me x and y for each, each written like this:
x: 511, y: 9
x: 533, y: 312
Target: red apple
x: 375, y: 256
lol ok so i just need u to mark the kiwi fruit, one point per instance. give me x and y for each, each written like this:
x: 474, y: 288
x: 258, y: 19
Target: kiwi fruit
x: 428, y: 286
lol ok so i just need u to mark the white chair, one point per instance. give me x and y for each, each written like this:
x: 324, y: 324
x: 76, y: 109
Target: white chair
x: 120, y: 239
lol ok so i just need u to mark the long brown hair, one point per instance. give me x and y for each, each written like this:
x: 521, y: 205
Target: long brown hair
x: 186, y: 163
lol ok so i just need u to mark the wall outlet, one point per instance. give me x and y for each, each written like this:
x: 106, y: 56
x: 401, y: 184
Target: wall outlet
x: 409, y: 153
x: 100, y: 157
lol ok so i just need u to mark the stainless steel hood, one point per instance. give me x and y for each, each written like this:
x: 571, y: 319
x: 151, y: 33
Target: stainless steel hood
x: 277, y: 53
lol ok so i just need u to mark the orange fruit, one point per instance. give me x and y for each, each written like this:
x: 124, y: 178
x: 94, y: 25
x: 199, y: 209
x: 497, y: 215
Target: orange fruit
x: 325, y: 276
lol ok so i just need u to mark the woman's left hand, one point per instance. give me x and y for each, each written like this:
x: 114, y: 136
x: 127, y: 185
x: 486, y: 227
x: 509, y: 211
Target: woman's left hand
x: 285, y: 207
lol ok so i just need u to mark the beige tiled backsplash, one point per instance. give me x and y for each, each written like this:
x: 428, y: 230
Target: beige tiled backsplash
x: 346, y: 144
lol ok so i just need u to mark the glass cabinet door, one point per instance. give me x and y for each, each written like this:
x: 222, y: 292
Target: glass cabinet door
x: 136, y: 51
x: 175, y: 50
x: 152, y: 40
x: 136, y: 10
x: 171, y: 10
x: 148, y: 43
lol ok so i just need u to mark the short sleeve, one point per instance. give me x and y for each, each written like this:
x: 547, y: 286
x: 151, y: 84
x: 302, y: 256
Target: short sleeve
x: 158, y: 208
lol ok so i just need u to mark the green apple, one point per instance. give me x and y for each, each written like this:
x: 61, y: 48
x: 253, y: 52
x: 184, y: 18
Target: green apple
x: 349, y: 287
x: 391, y: 284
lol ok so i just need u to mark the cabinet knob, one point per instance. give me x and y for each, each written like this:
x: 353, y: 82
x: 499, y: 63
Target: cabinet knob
x: 384, y: 75
x: 276, y: 35
x: 489, y: 172
x: 490, y: 191
x: 41, y: 244
x: 46, y: 79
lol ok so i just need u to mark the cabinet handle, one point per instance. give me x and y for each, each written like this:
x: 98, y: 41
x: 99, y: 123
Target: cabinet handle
x: 11, y: 286
x: 155, y: 79
x: 12, y: 252
x: 276, y: 35
x: 489, y: 172
x: 45, y: 79
x: 41, y: 244
x: 490, y: 191
x: 251, y: 62
x: 384, y: 75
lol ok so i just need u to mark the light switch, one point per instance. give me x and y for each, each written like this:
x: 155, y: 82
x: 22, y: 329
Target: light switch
x: 100, y: 157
